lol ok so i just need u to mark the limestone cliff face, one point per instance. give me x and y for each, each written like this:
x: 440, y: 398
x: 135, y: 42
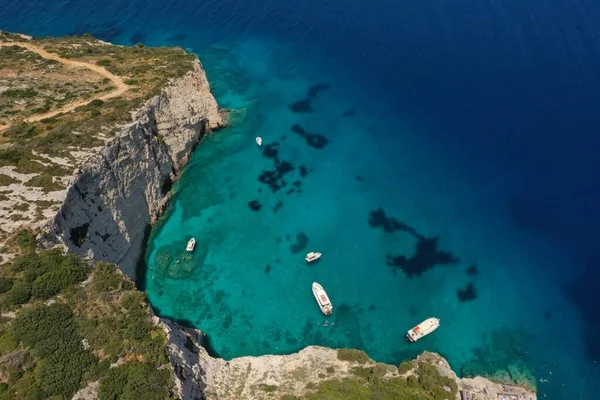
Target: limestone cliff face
x: 119, y: 192
x: 197, y: 375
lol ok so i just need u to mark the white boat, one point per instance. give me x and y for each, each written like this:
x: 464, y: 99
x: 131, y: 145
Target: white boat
x: 423, y: 329
x: 312, y: 256
x: 190, y: 246
x: 322, y: 299
x: 258, y: 140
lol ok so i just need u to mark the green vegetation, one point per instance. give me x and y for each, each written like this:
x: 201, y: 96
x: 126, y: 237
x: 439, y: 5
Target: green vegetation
x: 47, y: 340
x: 406, y: 366
x: 31, y: 90
x: 352, y: 355
x: 432, y: 382
x: 349, y: 389
x: 42, y: 275
x: 268, y: 388
x: 374, y: 383
x: 134, y: 381
x: 6, y: 180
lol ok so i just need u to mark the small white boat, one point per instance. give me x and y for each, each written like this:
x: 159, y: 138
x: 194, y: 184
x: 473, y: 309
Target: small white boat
x: 312, y: 256
x: 190, y: 246
x: 423, y: 329
x: 322, y: 299
x: 259, y: 140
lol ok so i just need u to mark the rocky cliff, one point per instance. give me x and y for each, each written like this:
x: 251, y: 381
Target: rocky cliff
x: 120, y: 191
x: 200, y: 376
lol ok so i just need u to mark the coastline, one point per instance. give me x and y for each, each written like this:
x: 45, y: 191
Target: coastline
x: 161, y: 138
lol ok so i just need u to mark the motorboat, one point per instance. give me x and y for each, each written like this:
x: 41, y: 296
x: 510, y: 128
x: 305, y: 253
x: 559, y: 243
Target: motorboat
x: 312, y: 256
x: 190, y: 245
x: 423, y: 329
x: 322, y: 299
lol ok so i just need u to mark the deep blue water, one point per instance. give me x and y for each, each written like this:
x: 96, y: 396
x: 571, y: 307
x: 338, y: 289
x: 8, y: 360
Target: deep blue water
x: 474, y: 121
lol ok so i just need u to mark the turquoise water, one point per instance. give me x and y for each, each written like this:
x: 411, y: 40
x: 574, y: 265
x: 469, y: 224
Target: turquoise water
x: 247, y: 284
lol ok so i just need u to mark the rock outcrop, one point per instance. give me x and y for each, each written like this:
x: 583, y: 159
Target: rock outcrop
x: 197, y: 375
x: 119, y: 192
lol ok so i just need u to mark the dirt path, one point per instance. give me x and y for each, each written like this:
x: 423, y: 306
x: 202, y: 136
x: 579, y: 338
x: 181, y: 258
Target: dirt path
x: 121, y: 87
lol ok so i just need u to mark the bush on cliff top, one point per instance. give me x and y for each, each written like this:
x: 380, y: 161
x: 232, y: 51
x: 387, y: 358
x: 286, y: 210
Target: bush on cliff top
x: 43, y: 275
x: 353, y: 356
x: 135, y: 381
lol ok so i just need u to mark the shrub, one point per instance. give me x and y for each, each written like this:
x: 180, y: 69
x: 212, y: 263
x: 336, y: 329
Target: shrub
x: 6, y: 284
x: 406, y: 366
x: 50, y: 332
x: 135, y: 381
x: 104, y: 62
x: 20, y: 293
x: 45, y: 329
x: 70, y: 271
x: 352, y: 355
x: 106, y: 278
x: 432, y: 382
x: 25, y: 239
x: 134, y: 300
x: 96, y: 103
x: 268, y: 388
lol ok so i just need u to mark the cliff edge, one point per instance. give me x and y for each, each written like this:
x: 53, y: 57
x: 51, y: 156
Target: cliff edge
x: 118, y: 193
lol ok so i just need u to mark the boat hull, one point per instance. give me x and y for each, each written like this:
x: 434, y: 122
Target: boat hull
x: 423, y: 329
x: 322, y: 299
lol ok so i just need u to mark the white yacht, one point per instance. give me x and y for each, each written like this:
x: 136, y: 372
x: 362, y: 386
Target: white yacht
x: 312, y: 256
x: 322, y: 299
x: 190, y: 246
x: 259, y: 140
x: 423, y: 329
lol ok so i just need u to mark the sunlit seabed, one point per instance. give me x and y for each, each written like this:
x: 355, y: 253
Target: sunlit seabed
x: 247, y: 284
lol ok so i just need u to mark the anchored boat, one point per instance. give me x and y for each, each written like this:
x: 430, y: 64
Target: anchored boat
x: 259, y: 140
x: 423, y: 329
x: 190, y: 246
x: 312, y: 256
x: 322, y: 299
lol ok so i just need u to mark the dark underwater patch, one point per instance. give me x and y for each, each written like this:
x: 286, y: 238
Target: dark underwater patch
x: 548, y: 315
x: 468, y: 293
x: 267, y: 269
x: 274, y: 178
x: 254, y: 205
x: 358, y: 178
x: 314, y: 140
x: 349, y: 113
x: 303, y: 171
x: 300, y: 244
x: 378, y: 218
x: 301, y: 106
x: 314, y: 90
x: 277, y: 206
x: 304, y: 105
x: 178, y: 37
x: 426, y: 256
x: 472, y: 270
x: 271, y: 150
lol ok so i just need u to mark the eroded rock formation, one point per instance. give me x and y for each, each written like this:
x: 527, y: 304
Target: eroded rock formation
x: 118, y: 193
